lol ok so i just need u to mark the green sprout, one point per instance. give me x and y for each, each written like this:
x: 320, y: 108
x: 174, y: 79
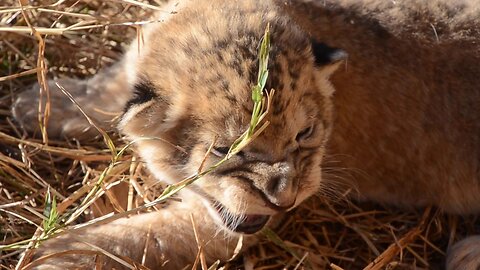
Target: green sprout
x: 50, y: 212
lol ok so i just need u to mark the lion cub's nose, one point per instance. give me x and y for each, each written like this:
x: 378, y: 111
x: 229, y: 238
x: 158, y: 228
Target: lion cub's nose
x: 281, y: 190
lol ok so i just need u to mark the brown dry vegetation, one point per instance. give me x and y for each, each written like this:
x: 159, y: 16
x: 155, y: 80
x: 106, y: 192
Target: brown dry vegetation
x: 331, y: 234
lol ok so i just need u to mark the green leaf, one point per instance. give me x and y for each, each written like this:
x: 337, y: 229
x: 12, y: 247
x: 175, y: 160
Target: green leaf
x: 50, y: 212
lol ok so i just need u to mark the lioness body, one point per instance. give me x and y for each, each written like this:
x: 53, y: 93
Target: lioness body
x: 406, y: 120
x: 407, y: 102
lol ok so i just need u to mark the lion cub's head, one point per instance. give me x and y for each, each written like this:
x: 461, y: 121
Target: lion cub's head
x: 193, y: 81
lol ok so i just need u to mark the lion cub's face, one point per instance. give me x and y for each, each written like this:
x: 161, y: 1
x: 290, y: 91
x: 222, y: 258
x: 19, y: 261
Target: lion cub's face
x: 193, y: 89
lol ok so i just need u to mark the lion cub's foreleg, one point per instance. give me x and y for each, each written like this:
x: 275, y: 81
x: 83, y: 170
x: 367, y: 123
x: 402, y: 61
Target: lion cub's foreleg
x: 162, y: 239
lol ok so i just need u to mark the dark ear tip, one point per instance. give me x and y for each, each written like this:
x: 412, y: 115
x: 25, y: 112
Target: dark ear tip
x: 325, y: 55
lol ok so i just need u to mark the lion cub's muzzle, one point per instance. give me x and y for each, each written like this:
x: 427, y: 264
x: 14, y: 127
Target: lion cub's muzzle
x: 277, y: 184
x: 273, y: 187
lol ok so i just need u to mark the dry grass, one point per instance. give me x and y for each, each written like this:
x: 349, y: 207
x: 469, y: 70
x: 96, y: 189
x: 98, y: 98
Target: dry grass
x: 77, y: 38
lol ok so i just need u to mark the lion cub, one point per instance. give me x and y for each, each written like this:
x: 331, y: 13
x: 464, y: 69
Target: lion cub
x: 189, y: 83
x: 407, y: 117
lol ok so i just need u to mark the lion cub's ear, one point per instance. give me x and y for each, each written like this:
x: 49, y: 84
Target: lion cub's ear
x: 144, y: 112
x: 327, y: 59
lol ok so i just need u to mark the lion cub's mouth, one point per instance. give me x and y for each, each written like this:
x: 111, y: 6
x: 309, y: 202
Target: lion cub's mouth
x: 247, y: 224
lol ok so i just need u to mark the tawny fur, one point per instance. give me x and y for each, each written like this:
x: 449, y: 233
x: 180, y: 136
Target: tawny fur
x: 407, y: 113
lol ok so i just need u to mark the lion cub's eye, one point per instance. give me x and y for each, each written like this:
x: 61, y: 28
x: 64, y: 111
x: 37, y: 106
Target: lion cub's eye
x: 305, y: 134
x: 220, y: 151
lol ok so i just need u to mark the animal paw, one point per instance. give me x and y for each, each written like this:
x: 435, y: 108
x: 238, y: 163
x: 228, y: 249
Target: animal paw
x: 465, y: 255
x: 65, y: 119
